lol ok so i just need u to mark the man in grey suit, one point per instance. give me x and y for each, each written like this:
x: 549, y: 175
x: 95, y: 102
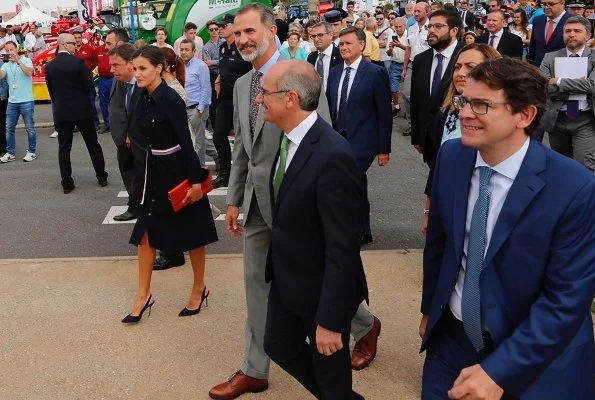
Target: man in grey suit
x: 255, y: 149
x: 130, y: 154
x: 569, y: 122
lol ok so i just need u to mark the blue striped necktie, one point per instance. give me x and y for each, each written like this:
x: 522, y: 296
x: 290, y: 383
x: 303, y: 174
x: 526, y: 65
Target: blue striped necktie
x: 471, y: 301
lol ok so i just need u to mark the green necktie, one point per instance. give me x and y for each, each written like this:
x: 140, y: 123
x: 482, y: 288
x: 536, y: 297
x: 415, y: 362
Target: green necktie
x: 280, y: 173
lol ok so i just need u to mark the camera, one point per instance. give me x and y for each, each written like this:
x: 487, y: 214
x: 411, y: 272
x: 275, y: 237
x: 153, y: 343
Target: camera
x: 395, y: 38
x: 5, y: 57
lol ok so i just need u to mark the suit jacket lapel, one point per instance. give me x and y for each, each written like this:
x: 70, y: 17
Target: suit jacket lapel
x: 359, y: 75
x: 300, y: 158
x: 461, y: 196
x: 526, y: 186
x: 244, y: 110
x: 258, y: 124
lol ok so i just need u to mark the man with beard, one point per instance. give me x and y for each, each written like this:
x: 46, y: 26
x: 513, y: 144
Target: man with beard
x: 431, y: 77
x: 255, y: 149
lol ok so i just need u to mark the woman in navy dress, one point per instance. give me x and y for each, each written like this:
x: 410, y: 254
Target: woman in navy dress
x: 161, y: 120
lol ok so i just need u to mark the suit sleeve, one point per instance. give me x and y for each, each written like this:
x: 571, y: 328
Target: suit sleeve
x: 558, y: 313
x: 435, y: 240
x: 86, y: 81
x: 518, y: 45
x: 382, y: 98
x: 178, y: 120
x: 339, y: 205
x: 239, y: 167
x: 415, y: 134
x: 531, y: 54
x: 49, y: 81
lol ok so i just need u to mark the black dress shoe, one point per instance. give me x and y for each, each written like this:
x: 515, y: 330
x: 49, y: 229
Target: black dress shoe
x: 221, y: 181
x: 102, y: 182
x: 367, y: 238
x: 127, y: 216
x: 68, y: 189
x: 162, y: 263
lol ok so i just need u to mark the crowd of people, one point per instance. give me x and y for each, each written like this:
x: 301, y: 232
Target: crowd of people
x: 509, y: 261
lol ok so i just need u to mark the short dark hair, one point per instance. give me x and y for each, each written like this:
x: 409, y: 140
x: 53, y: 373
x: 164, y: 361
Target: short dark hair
x: 190, y: 25
x: 125, y: 51
x: 211, y: 22
x: 453, y: 19
x: 360, y: 34
x: 121, y: 35
x: 267, y: 17
x: 188, y: 41
x: 350, y: 3
x: 522, y: 83
x: 16, y: 46
x: 577, y: 19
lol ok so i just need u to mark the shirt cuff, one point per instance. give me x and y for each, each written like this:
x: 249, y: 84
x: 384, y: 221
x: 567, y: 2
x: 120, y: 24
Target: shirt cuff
x: 558, y: 81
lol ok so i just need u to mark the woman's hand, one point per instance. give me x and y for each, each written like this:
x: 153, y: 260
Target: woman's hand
x: 194, y: 194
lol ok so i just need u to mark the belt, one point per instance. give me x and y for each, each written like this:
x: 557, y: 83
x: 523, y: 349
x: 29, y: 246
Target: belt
x: 166, y: 152
x: 192, y: 106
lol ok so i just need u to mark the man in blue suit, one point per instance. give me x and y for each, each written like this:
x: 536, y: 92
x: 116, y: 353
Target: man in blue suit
x: 509, y: 261
x: 359, y: 99
x: 548, y: 31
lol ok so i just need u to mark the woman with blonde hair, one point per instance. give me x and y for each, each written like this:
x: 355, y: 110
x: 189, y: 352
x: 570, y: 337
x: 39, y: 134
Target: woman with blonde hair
x: 446, y: 125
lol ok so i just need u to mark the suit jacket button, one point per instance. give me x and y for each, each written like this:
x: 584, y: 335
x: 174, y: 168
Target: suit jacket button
x: 149, y: 214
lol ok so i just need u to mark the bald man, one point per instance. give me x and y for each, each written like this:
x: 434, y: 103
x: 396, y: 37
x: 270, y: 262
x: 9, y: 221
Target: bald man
x: 315, y: 184
x: 69, y: 84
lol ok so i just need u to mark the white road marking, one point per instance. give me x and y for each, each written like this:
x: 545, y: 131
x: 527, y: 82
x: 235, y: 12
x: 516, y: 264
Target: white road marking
x: 123, y: 194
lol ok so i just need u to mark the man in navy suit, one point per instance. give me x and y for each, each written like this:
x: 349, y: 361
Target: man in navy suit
x: 328, y: 54
x: 69, y: 85
x: 313, y: 262
x: 506, y: 43
x: 359, y: 99
x: 548, y: 31
x: 509, y: 261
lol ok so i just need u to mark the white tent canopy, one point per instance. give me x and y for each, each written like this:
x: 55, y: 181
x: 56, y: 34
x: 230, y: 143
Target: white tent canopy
x: 30, y: 14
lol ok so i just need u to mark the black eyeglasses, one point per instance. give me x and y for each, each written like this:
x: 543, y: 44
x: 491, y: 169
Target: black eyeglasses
x: 479, y: 107
x: 213, y: 29
x: 318, y: 35
x: 265, y: 92
x: 437, y: 26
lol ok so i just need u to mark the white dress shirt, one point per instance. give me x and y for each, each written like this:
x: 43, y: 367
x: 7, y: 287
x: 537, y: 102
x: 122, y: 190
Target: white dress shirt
x: 326, y: 63
x: 497, y: 38
x: 500, y: 182
x: 354, y: 66
x: 583, y: 105
x: 399, y: 53
x: 447, y: 53
x: 296, y: 136
x: 418, y: 39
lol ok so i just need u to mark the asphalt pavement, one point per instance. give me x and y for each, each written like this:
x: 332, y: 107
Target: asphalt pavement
x: 39, y: 221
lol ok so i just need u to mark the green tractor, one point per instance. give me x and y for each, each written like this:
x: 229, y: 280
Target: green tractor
x: 144, y: 16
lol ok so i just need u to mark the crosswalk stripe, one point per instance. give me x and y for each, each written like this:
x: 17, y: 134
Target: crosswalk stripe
x: 215, y: 192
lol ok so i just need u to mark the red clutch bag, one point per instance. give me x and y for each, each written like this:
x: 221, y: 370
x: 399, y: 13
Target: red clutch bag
x: 177, y: 195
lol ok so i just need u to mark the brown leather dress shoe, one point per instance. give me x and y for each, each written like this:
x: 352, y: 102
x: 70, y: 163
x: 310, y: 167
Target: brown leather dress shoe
x: 237, y: 385
x: 365, y: 348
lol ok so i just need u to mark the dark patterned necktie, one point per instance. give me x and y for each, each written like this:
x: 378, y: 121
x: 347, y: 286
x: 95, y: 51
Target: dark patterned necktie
x: 572, y: 105
x: 254, y: 89
x: 320, y: 66
x: 437, y: 75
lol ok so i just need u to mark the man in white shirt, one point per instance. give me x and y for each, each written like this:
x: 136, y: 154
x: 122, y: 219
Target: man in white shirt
x: 190, y: 33
x: 34, y: 42
x: 396, y: 50
x: 383, y: 35
x: 417, y: 42
x: 571, y: 123
x: 507, y: 286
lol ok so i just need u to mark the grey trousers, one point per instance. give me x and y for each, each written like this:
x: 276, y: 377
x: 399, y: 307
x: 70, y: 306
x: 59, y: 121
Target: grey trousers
x: 202, y: 146
x: 257, y: 238
x: 575, y: 138
x: 405, y: 97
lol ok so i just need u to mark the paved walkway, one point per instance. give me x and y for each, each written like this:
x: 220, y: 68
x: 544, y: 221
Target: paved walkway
x: 61, y: 336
